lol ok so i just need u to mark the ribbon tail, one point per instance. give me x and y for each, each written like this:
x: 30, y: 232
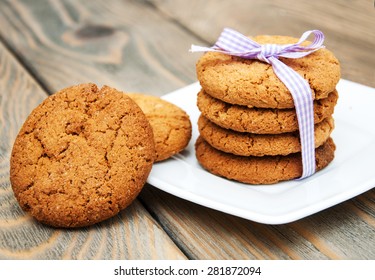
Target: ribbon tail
x: 195, y: 48
x: 301, y: 93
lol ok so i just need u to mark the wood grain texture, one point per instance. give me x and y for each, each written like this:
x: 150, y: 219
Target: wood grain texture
x: 341, y: 232
x: 348, y: 25
x: 111, y: 42
x: 133, y: 234
x: 106, y: 42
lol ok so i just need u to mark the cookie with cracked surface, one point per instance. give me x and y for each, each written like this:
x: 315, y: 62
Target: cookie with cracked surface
x: 171, y: 125
x: 81, y: 156
x: 250, y: 144
x: 260, y: 120
x: 253, y: 83
x: 258, y: 170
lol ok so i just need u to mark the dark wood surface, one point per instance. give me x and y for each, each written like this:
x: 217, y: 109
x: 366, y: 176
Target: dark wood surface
x: 143, y: 46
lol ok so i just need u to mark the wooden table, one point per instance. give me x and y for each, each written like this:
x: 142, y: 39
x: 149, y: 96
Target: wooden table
x: 143, y: 46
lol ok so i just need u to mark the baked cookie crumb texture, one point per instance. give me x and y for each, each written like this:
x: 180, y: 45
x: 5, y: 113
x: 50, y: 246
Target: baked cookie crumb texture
x: 251, y: 82
x: 258, y: 170
x: 81, y: 156
x: 249, y: 144
x: 171, y: 125
x: 260, y: 120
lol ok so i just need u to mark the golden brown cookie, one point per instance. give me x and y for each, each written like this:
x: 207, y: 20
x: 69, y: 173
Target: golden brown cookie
x: 260, y: 120
x: 81, y: 156
x: 249, y: 144
x: 253, y: 83
x: 259, y: 170
x: 171, y: 125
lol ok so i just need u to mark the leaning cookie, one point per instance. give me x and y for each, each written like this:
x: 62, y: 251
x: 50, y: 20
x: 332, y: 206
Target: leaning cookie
x: 81, y: 156
x: 249, y: 144
x: 260, y: 120
x: 171, y: 125
x: 258, y: 170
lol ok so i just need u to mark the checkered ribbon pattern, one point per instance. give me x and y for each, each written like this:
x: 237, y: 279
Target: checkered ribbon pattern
x: 234, y: 43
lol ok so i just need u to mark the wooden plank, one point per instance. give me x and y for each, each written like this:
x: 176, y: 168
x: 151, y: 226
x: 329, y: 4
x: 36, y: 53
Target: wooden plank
x: 106, y: 42
x: 341, y: 232
x: 348, y: 27
x: 116, y: 43
x: 133, y: 234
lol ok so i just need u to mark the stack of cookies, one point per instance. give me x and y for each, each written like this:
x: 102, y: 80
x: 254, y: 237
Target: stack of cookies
x: 248, y: 125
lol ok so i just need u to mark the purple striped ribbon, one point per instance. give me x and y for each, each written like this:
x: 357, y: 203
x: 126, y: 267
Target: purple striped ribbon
x: 234, y: 43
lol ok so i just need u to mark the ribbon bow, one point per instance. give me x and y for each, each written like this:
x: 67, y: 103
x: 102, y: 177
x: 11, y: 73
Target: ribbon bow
x: 234, y: 43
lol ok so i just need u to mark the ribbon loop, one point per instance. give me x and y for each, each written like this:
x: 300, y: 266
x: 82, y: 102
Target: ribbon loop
x: 234, y: 43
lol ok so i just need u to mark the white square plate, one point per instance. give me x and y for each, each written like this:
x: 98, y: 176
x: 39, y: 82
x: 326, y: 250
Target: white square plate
x: 351, y: 173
